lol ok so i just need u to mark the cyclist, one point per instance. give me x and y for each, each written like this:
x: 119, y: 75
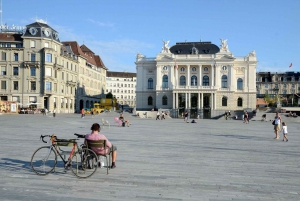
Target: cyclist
x: 95, y: 135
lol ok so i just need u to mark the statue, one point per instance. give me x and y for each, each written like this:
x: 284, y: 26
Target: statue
x: 139, y: 56
x: 253, y: 53
x: 165, y: 48
x: 224, y: 45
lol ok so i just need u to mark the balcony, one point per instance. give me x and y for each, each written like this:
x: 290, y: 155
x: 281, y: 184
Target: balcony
x: 71, y: 83
x: 28, y: 64
x: 50, y: 92
x: 58, y: 66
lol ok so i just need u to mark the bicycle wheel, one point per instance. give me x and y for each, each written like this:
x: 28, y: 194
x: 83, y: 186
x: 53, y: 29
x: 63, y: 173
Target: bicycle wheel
x: 43, y: 160
x: 85, y: 163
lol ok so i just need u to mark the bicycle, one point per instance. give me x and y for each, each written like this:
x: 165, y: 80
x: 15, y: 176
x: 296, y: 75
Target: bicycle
x: 82, y: 161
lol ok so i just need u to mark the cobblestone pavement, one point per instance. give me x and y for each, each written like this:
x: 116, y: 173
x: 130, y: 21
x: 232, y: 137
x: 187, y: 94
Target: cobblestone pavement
x: 211, y: 160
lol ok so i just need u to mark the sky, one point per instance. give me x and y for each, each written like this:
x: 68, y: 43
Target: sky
x: 117, y: 30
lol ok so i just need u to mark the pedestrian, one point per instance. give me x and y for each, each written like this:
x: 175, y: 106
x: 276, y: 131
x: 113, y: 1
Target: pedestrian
x: 162, y: 115
x: 186, y: 114
x: 285, y: 132
x: 157, y: 115
x: 92, y: 113
x: 54, y: 112
x: 276, y: 123
x: 246, y: 116
x: 82, y: 113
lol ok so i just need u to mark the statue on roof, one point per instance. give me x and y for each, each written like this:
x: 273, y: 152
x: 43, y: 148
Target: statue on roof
x: 253, y: 53
x: 139, y: 56
x: 224, y: 45
x: 165, y: 48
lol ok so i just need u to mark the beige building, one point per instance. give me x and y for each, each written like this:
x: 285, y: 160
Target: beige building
x: 122, y: 86
x: 198, y: 77
x: 38, y: 70
x: 286, y: 85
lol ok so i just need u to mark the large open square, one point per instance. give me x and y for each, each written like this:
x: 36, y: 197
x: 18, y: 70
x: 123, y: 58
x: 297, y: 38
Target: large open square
x: 168, y: 159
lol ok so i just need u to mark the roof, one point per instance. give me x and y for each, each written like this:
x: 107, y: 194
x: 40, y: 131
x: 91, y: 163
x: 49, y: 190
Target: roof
x: 120, y: 74
x: 85, y: 52
x: 10, y: 37
x: 190, y: 47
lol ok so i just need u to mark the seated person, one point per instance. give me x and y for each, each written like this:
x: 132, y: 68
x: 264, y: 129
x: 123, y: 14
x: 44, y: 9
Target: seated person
x: 193, y: 121
x: 294, y: 114
x: 124, y: 120
x: 95, y: 135
x: 290, y: 114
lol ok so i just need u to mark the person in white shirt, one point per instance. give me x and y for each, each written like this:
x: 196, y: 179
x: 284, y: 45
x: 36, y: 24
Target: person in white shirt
x: 285, y: 132
x: 277, y: 122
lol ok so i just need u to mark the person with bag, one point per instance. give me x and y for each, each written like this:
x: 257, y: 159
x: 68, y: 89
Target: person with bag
x: 276, y: 124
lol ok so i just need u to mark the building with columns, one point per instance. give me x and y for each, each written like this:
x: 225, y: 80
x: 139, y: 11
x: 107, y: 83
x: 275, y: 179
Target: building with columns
x: 198, y: 77
x: 40, y: 71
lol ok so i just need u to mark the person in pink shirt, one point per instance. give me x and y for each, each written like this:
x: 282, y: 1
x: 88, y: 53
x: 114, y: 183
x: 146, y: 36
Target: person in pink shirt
x: 95, y: 135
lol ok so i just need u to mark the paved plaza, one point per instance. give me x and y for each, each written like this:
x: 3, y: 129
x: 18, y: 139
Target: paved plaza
x: 212, y: 160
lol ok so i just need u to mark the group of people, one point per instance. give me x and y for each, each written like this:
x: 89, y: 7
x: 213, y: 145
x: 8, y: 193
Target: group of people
x: 160, y: 116
x: 276, y: 122
x: 227, y: 115
x: 292, y: 114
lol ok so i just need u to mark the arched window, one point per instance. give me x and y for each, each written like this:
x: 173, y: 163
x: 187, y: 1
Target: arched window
x: 182, y: 69
x: 150, y: 83
x: 194, y: 80
x: 205, y: 69
x: 164, y: 100
x: 150, y: 100
x: 239, y: 102
x: 240, y: 84
x: 87, y: 104
x: 224, y: 81
x: 182, y: 81
x: 165, y: 81
x: 205, y: 80
x: 224, y: 101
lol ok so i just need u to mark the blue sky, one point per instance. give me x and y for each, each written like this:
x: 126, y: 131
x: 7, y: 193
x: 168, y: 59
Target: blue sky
x: 118, y: 29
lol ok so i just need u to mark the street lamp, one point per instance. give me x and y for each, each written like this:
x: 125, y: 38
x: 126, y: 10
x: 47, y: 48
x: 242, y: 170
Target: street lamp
x: 276, y: 89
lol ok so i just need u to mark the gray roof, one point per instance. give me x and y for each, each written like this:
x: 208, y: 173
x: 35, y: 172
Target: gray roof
x: 40, y: 27
x: 201, y: 47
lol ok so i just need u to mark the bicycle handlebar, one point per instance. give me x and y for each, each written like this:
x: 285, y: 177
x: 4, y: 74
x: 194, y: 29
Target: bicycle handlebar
x: 79, y: 135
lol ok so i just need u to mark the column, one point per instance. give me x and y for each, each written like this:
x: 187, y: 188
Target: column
x: 174, y: 100
x: 200, y: 76
x: 212, y: 76
x: 189, y: 98
x: 212, y: 100
x: 217, y: 77
x: 188, y: 76
x: 201, y: 100
x: 186, y: 100
x: 215, y: 102
x: 176, y: 77
x: 199, y: 106
x: 176, y: 97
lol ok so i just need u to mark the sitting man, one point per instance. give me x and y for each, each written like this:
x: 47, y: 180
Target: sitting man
x: 123, y: 120
x: 95, y: 135
x: 290, y: 114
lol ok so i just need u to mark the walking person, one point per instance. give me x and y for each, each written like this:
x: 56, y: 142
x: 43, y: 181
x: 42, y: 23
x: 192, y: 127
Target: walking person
x: 157, y: 115
x: 54, y: 112
x: 186, y: 115
x: 82, y: 113
x: 285, y: 132
x: 277, y: 122
x: 246, y: 118
x: 162, y: 115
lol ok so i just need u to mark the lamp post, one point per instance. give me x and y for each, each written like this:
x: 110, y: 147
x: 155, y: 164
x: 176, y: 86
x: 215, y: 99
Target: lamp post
x: 276, y: 90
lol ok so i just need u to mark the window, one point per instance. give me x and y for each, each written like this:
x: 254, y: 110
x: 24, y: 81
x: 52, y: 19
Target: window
x: 165, y: 81
x: 284, y: 85
x: 293, y: 85
x: 48, y: 72
x: 150, y: 100
x: 32, y: 57
x: 193, y: 80
x: 266, y: 85
x: 3, y: 55
x: 32, y: 44
x: 16, y: 85
x: 224, y: 101
x: 16, y: 57
x: 164, y: 100
x: 62, y: 75
x: 16, y: 71
x: 240, y: 84
x: 32, y: 71
x: 284, y: 91
x: 239, y: 102
x: 150, y: 83
x: 48, y: 57
x: 182, y: 81
x: 205, y: 80
x: 3, y: 70
x: 48, y: 86
x: 257, y: 79
x: 205, y: 69
x: 194, y: 69
x: 125, y: 85
x: 182, y: 69
x: 224, y: 81
x: 33, y: 86
x: 224, y: 68
x: 292, y: 91
x: 3, y: 84
x: 55, y: 87
x: 46, y: 44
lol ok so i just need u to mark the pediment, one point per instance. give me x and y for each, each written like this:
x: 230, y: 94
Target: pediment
x: 165, y: 57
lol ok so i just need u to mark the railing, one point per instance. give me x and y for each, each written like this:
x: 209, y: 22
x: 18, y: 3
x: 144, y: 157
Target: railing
x: 27, y: 64
x: 58, y: 66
